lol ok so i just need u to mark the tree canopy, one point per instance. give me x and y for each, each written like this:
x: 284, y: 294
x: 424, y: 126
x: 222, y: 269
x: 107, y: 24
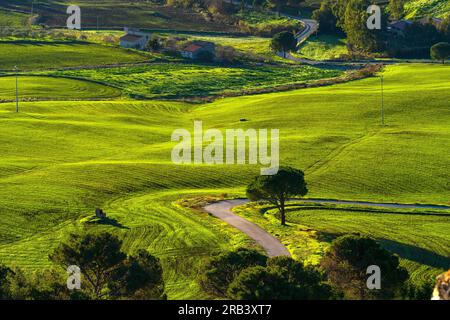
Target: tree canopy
x: 284, y: 42
x: 107, y: 271
x: 282, y: 279
x: 440, y: 51
x: 221, y: 270
x: 278, y: 188
x: 346, y: 265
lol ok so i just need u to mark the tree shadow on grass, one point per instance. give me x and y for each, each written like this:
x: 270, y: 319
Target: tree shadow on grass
x: 416, y: 254
x: 403, y: 250
x: 109, y: 222
x: 296, y: 207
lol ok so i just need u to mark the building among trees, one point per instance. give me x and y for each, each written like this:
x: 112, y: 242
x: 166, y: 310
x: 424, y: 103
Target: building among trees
x: 134, y: 39
x: 197, y: 49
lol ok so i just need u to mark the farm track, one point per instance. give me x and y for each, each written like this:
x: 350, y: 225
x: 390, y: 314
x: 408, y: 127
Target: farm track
x: 320, y: 164
x: 273, y: 247
x: 222, y: 210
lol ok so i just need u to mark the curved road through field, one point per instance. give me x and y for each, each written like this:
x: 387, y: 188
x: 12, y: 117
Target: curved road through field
x: 270, y: 244
x: 273, y: 247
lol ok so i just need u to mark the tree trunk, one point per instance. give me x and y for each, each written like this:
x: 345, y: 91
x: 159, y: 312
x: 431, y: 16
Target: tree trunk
x: 282, y: 213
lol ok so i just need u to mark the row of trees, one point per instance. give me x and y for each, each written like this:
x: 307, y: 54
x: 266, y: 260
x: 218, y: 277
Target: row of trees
x: 108, y: 273
x: 342, y: 274
x: 220, y: 6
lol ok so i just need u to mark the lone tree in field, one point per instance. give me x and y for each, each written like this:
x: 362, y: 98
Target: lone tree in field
x: 440, y: 51
x: 277, y: 189
x: 284, y: 42
x: 346, y: 265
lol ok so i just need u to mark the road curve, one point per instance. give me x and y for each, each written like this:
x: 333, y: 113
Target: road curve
x: 273, y: 247
x: 270, y: 244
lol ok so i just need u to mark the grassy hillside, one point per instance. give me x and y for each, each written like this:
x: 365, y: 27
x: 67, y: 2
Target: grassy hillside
x: 116, y: 13
x: 434, y: 8
x: 36, y: 54
x: 13, y: 19
x: 54, y: 89
x: 61, y: 160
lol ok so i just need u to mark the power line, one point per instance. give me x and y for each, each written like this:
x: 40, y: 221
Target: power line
x: 17, y: 88
x: 382, y: 100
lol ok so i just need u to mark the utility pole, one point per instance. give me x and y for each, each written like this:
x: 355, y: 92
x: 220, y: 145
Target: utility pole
x: 382, y: 100
x: 17, y: 88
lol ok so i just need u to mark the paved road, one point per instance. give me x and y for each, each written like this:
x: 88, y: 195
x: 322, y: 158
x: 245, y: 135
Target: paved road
x: 222, y: 210
x: 272, y: 245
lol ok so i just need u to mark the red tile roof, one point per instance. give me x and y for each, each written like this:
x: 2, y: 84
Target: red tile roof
x: 192, y: 48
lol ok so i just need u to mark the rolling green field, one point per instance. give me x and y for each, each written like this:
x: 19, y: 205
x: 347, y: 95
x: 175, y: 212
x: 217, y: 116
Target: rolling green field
x: 172, y: 80
x: 54, y: 89
x: 434, y: 8
x: 36, y: 54
x: 62, y: 159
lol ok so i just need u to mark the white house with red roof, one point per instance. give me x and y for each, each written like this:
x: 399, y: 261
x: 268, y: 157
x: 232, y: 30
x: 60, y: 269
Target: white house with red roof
x: 134, y: 39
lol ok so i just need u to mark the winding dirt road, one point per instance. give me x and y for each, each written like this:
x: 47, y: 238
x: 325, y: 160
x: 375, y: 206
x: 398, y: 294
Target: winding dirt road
x: 272, y: 245
x: 222, y: 210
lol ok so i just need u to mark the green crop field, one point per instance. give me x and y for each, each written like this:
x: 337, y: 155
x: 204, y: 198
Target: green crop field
x: 36, y: 54
x: 172, y: 80
x: 62, y: 159
x: 322, y: 48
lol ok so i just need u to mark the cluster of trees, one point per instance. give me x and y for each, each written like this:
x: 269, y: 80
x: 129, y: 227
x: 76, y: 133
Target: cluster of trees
x: 229, y: 6
x: 350, y: 17
x: 246, y: 274
x: 106, y: 273
x: 418, y: 39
